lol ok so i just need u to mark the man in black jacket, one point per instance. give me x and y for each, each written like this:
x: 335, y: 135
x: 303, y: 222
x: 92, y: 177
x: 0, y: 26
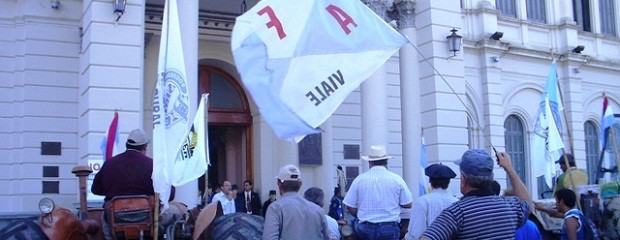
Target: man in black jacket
x: 248, y: 201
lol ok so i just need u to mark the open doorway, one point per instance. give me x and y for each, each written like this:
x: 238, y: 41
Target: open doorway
x: 230, y: 121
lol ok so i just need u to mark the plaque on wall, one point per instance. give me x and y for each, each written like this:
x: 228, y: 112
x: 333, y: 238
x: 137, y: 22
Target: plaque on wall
x: 51, y: 187
x: 50, y: 148
x: 50, y: 171
x: 351, y: 173
x: 351, y: 151
x: 310, y: 151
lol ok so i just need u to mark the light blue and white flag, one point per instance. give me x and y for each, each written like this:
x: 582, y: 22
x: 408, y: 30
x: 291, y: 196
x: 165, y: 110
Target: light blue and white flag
x: 423, y: 164
x: 300, y: 59
x: 547, y: 142
x: 171, y: 103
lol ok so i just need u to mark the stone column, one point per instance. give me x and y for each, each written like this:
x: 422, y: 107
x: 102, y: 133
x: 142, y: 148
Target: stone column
x: 446, y: 130
x: 411, y: 123
x: 111, y: 64
x: 374, y: 99
x: 188, y: 19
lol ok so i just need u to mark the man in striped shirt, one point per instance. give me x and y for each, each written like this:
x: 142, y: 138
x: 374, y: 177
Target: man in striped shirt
x: 480, y: 214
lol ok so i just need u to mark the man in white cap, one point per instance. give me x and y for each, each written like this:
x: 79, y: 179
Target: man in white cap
x: 128, y: 173
x: 293, y: 217
x: 375, y: 198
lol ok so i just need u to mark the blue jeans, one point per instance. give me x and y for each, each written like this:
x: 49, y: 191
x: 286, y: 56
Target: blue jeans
x: 377, y: 231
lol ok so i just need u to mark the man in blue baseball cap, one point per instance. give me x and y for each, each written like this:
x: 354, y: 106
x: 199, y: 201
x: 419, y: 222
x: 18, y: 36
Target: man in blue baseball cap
x: 479, y: 214
x: 429, y: 206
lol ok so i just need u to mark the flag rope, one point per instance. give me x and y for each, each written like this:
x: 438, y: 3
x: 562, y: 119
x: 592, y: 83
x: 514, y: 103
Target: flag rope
x: 453, y: 91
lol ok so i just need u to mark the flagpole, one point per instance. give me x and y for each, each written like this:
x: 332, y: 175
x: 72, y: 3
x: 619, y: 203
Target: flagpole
x: 613, y: 141
x: 599, y: 172
x: 568, y: 132
x: 570, y: 177
x: 156, y: 217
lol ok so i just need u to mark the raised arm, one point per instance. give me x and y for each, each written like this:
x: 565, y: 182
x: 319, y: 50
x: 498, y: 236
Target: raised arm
x: 504, y: 161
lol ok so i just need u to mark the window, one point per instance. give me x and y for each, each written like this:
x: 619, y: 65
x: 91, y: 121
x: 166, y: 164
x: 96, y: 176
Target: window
x: 581, y: 14
x: 536, y: 10
x: 506, y: 8
x: 608, y: 19
x: 515, y: 144
x: 592, y: 148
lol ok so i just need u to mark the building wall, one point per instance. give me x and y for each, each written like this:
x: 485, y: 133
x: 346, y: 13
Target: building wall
x: 62, y: 84
x: 40, y: 48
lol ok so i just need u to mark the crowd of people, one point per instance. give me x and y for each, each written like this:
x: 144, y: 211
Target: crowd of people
x: 375, y: 201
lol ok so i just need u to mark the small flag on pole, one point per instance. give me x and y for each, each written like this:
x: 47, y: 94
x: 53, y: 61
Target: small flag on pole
x: 300, y: 59
x: 423, y: 165
x: 109, y: 143
x: 192, y: 159
x: 607, y: 119
x: 171, y: 103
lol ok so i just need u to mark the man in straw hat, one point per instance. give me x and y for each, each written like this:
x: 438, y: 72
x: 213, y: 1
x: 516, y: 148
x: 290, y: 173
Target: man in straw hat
x: 293, y: 217
x: 479, y: 214
x: 375, y: 198
x: 429, y: 206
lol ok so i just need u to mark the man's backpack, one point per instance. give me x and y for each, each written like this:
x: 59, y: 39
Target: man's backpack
x: 590, y: 232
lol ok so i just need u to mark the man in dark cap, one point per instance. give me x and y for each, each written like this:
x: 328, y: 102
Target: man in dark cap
x: 272, y: 198
x: 479, y: 214
x: 572, y: 177
x: 429, y: 206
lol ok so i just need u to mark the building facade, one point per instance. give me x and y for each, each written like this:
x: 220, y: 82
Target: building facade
x: 66, y: 68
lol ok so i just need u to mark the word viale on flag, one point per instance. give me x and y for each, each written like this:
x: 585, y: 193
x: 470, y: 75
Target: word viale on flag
x: 326, y: 89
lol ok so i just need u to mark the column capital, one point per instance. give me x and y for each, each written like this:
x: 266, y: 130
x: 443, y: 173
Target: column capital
x: 405, y: 14
x: 380, y: 7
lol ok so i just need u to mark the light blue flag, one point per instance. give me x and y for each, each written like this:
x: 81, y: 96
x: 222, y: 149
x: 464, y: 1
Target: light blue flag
x: 546, y: 139
x: 423, y: 165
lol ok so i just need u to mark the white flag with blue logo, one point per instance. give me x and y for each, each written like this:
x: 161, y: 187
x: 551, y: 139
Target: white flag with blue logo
x: 300, y: 59
x: 171, y: 103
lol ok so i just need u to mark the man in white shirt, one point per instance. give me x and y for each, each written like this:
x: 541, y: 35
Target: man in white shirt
x: 375, y: 198
x: 317, y: 196
x: 429, y: 206
x: 225, y: 198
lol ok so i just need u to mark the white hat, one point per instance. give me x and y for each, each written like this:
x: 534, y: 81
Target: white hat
x: 377, y: 152
x: 289, y: 172
x: 138, y: 137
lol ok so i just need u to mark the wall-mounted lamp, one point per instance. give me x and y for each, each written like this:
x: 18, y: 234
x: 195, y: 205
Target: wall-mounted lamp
x: 119, y: 8
x: 495, y: 59
x: 497, y: 35
x: 454, y: 42
x: 578, y: 49
x: 55, y: 4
